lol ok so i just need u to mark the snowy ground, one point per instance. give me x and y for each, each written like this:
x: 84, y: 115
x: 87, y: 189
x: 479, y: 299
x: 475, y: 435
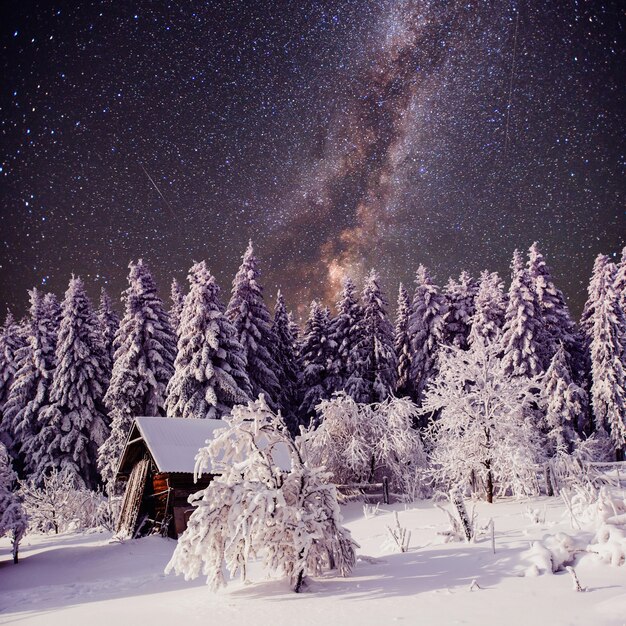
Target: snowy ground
x: 82, y: 579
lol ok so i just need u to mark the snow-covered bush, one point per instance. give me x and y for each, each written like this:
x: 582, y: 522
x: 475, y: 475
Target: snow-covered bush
x: 13, y: 518
x: 483, y: 433
x: 255, y: 509
x: 60, y: 503
x: 362, y: 443
x: 552, y: 554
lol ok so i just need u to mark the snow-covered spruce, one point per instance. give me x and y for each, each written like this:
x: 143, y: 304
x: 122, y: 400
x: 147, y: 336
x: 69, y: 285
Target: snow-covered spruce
x: 558, y: 325
x: 109, y: 323
x: 253, y: 324
x: 177, y: 297
x: 460, y: 307
x: 402, y: 342
x: 427, y: 331
x: 145, y: 347
x: 490, y: 306
x: 482, y: 434
x: 344, y: 335
x: 13, y: 518
x: 606, y: 327
x: 33, y: 377
x: 315, y: 358
x: 210, y: 369
x: 523, y: 328
x: 73, y: 425
x: 373, y: 362
x: 620, y: 282
x: 286, y: 357
x: 11, y: 340
x: 254, y: 509
x: 564, y: 403
x: 362, y: 443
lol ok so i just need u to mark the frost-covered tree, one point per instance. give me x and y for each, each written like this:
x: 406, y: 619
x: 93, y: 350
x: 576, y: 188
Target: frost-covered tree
x: 482, y: 433
x: 595, y: 291
x: 460, y: 307
x: 564, y: 403
x: 363, y: 443
x: 177, y: 296
x: 490, y: 306
x: 145, y: 347
x: 344, y: 335
x: 558, y: 325
x: 373, y: 364
x: 253, y: 323
x: 315, y: 355
x: 427, y: 331
x: 620, y: 282
x: 402, y: 343
x: 210, y: 369
x: 73, y: 425
x: 608, y: 376
x: 11, y: 341
x: 523, y: 327
x: 286, y: 357
x: 13, y: 518
x: 255, y: 510
x: 109, y: 323
x: 33, y: 377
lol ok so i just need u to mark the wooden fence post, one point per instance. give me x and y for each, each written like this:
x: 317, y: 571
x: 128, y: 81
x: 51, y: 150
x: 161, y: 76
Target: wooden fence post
x: 385, y: 490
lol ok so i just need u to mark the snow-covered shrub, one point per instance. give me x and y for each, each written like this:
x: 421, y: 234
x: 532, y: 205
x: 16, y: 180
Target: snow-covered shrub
x: 398, y: 537
x: 13, y: 518
x: 255, y: 509
x: 484, y: 432
x: 362, y: 443
x: 610, y: 544
x: 552, y: 554
x: 61, y: 504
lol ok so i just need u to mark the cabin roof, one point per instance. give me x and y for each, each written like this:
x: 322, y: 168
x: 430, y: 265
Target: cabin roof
x: 172, y: 442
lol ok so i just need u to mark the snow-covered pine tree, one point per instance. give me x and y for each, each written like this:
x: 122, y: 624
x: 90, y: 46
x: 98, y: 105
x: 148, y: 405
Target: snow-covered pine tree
x: 373, y: 364
x: 253, y: 323
x: 402, y: 343
x: 558, y: 325
x: 315, y: 357
x: 177, y: 296
x: 620, y: 282
x: 286, y: 357
x: 344, y: 335
x: 523, y: 328
x: 145, y: 347
x: 460, y: 309
x: 564, y: 403
x: 210, y: 369
x: 608, y: 377
x: 109, y: 323
x: 256, y: 508
x: 11, y: 340
x: 13, y: 519
x: 594, y: 295
x: 482, y: 431
x: 73, y: 425
x: 490, y: 306
x: 33, y: 376
x: 427, y: 331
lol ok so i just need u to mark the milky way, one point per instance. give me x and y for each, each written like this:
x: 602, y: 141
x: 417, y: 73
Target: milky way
x: 339, y: 136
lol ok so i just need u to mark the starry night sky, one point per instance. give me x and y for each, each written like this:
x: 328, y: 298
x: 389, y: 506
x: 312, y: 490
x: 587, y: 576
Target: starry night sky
x: 337, y: 135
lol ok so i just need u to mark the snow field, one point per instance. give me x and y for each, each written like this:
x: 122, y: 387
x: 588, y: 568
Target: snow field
x: 82, y: 579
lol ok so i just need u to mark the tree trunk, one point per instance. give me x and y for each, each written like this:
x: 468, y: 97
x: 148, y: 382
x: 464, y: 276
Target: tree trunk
x: 549, y: 489
x: 489, y: 486
x: 15, y: 553
x: 298, y: 586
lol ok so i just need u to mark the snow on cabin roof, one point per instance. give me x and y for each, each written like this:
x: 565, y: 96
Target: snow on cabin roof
x: 174, y: 442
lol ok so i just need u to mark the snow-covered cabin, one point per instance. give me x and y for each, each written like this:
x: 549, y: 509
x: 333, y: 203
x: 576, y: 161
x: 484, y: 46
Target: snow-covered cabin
x: 158, y: 465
